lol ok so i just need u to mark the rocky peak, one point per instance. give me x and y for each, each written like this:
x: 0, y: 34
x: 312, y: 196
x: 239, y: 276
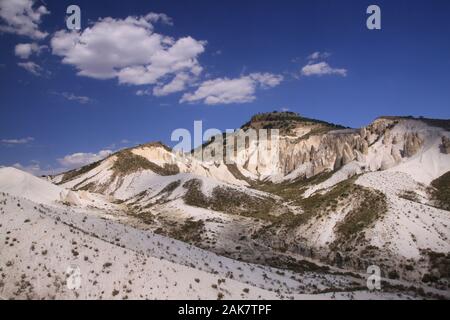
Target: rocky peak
x: 155, y: 144
x: 306, y: 147
x: 287, y: 122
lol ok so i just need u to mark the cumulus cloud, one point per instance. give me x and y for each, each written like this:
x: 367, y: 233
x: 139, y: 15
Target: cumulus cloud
x: 31, y: 67
x: 80, y: 159
x: 322, y: 68
x: 131, y: 51
x: 18, y: 141
x: 35, y: 168
x: 68, y: 162
x: 178, y: 84
x: 25, y: 50
x: 22, y: 17
x: 227, y: 91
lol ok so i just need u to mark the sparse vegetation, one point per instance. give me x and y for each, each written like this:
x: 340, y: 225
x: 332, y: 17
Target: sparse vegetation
x: 127, y: 162
x: 194, y: 195
x: 190, y: 231
x: 320, y: 203
x: 409, y: 195
x: 439, y: 266
x: 284, y: 121
x: 170, y: 187
x: 367, y: 206
x: 282, y: 229
x: 293, y: 190
x: 77, y: 172
x: 441, y: 123
x: 145, y: 217
x: 372, y: 204
x: 393, y: 274
x: 441, y: 191
x: 231, y: 201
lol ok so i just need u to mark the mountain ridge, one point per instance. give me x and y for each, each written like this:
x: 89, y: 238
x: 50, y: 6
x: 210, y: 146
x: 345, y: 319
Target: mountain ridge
x: 327, y: 198
x: 292, y: 118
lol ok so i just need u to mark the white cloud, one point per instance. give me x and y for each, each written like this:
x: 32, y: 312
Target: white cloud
x: 178, y: 58
x: 141, y: 93
x: 72, y: 97
x: 25, y: 50
x: 18, y: 141
x: 176, y: 85
x: 129, y: 50
x: 35, y: 168
x: 22, y: 17
x: 159, y: 17
x: 31, y: 67
x: 322, y: 68
x: 226, y: 91
x: 81, y: 158
x: 267, y: 80
x: 318, y: 56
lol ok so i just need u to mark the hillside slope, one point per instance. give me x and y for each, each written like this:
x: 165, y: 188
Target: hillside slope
x: 42, y: 245
x: 326, y: 200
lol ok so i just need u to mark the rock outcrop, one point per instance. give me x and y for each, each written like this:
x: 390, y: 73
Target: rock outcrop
x: 303, y: 148
x: 412, y: 144
x: 445, y: 147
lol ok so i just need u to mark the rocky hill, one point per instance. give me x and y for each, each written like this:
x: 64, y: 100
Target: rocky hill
x: 326, y: 200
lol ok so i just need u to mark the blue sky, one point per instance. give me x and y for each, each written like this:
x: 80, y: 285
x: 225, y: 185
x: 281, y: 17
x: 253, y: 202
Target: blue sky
x: 215, y: 61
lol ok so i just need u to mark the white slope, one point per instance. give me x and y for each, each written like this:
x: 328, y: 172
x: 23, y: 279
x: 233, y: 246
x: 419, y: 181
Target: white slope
x: 426, y: 165
x: 100, y: 174
x: 349, y: 170
x: 404, y: 230
x: 126, y: 186
x: 37, y: 250
x: 40, y: 190
x: 39, y: 243
x: 408, y: 226
x: 429, y: 164
x: 187, y: 163
x: 20, y: 183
